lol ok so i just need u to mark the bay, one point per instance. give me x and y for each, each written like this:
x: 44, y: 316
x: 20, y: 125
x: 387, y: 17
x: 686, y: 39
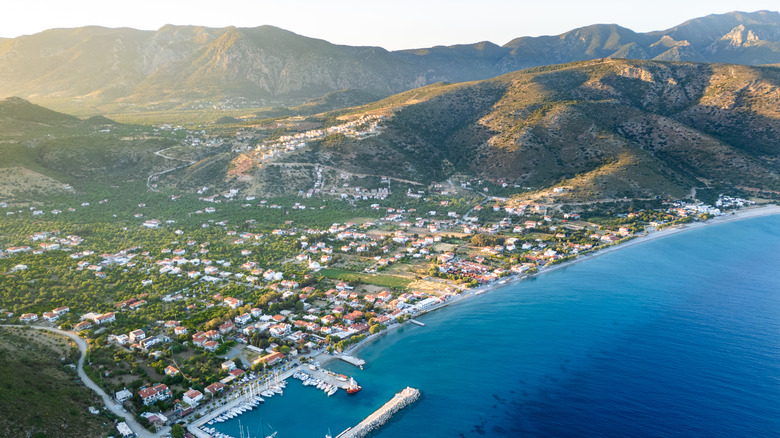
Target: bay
x: 678, y: 336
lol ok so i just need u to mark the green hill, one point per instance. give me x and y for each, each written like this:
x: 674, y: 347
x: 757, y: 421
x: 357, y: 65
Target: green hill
x: 42, y: 396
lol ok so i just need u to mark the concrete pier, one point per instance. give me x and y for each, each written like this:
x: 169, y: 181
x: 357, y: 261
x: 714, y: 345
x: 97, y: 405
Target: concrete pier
x: 352, y: 360
x: 383, y: 414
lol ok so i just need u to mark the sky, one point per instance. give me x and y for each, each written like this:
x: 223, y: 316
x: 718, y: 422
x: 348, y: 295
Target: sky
x: 396, y: 24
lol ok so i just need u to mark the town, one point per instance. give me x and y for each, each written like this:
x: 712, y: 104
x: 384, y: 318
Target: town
x: 197, y: 307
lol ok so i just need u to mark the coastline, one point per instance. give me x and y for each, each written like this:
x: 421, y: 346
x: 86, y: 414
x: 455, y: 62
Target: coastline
x: 324, y: 358
x: 649, y: 236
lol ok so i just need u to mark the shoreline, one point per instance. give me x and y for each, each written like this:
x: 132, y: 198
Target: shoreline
x: 324, y: 359
x: 648, y: 236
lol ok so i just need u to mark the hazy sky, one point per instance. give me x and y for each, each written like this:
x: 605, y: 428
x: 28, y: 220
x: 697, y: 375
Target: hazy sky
x: 396, y: 24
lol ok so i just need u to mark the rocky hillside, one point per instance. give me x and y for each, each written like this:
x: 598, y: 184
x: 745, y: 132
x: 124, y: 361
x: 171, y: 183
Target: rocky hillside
x: 92, y: 68
x: 605, y: 128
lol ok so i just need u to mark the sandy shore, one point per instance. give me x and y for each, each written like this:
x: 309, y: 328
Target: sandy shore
x: 744, y: 213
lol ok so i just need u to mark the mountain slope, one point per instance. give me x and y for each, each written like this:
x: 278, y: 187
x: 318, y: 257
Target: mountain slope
x: 607, y: 128
x: 191, y: 67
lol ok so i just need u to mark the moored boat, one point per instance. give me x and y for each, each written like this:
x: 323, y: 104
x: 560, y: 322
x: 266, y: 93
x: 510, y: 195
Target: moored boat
x: 353, y: 387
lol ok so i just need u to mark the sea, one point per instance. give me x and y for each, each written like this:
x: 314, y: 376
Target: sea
x: 676, y: 337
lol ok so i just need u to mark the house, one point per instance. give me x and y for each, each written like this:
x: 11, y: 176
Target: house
x: 178, y: 331
x: 155, y: 393
x: 227, y: 327
x: 136, y: 304
x: 228, y: 365
x: 237, y: 372
x: 328, y: 319
x: 233, y: 303
x: 123, y: 395
x: 279, y: 330
x: 106, y: 318
x: 192, y: 397
x: 136, y: 335
x: 149, y: 342
x: 214, y: 388
x: 171, y: 371
x: 198, y: 339
x: 270, y: 359
x: 50, y: 316
x: 210, y: 345
x: 152, y: 223
x: 61, y: 310
x: 28, y: 317
x: 84, y: 325
x: 124, y: 430
x: 343, y: 287
x: 243, y: 319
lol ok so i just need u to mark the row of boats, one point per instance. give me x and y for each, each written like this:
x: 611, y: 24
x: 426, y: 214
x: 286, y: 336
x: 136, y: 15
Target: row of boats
x: 245, y: 406
x: 308, y: 380
x: 251, y: 402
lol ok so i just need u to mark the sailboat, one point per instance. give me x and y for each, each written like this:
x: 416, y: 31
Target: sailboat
x: 262, y: 424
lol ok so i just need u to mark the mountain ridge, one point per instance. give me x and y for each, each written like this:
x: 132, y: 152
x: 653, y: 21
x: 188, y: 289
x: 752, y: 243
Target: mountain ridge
x: 180, y: 67
x: 605, y: 128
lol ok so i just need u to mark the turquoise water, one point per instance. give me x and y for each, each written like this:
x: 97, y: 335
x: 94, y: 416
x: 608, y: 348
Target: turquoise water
x: 675, y: 337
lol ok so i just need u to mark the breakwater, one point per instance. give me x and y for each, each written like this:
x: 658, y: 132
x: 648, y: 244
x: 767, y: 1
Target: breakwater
x: 383, y: 414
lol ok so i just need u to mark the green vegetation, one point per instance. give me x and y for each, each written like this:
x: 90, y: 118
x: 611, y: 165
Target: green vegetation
x: 41, y: 394
x: 388, y: 281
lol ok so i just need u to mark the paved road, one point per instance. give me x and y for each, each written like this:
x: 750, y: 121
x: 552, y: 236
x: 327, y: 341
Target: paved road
x: 107, y: 400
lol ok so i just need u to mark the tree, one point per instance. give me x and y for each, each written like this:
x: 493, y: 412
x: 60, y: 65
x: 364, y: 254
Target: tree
x: 177, y: 431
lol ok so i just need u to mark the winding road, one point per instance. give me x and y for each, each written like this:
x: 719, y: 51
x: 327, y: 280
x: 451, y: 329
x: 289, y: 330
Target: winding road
x: 156, y: 174
x: 136, y: 427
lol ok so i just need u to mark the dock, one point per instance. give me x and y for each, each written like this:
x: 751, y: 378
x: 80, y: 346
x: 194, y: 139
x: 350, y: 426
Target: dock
x: 352, y: 360
x: 414, y: 321
x: 383, y: 414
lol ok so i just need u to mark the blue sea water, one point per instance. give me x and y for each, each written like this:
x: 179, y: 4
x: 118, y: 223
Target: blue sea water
x: 679, y: 336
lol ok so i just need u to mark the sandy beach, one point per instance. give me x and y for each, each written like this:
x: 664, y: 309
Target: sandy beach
x: 744, y: 213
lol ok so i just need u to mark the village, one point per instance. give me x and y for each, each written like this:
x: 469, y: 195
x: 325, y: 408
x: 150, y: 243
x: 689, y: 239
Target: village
x: 214, y: 303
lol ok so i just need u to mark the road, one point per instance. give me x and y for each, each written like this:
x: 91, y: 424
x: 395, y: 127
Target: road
x: 159, y: 154
x: 136, y: 427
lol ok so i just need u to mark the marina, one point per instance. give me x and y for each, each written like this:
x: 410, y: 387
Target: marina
x: 254, y: 392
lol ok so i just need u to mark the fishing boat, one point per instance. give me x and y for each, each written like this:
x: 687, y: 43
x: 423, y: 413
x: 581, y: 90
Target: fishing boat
x: 353, y: 387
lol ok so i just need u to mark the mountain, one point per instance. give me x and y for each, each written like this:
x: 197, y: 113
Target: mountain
x: 92, y: 69
x: 605, y: 129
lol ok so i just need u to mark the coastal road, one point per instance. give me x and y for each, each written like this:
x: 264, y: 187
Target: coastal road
x: 139, y: 430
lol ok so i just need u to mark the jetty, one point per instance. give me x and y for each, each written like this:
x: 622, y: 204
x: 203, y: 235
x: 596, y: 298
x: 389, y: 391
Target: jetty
x: 414, y: 321
x: 383, y: 414
x: 352, y: 360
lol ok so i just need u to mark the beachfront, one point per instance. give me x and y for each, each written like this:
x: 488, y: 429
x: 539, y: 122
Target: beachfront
x: 648, y: 236
x: 324, y: 358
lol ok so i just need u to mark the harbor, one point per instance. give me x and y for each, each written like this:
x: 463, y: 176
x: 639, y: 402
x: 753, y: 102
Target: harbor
x: 379, y: 417
x: 254, y: 392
